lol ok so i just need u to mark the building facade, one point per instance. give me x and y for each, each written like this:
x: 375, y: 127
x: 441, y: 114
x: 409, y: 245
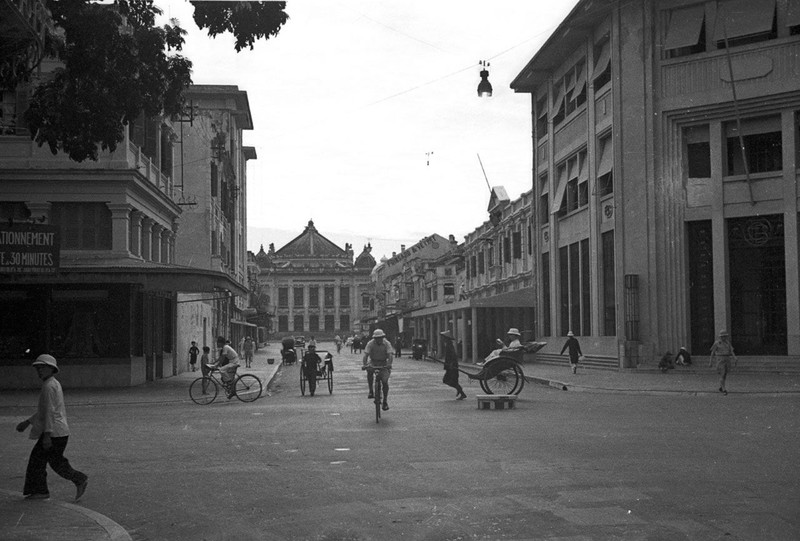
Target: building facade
x: 213, y: 225
x: 665, y: 180
x: 315, y: 287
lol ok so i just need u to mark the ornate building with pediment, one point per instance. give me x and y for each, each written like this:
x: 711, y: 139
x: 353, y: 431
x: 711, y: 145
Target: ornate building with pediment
x: 315, y: 287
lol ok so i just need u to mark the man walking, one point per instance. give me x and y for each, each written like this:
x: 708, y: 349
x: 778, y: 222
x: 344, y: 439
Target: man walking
x: 451, y: 365
x: 722, y: 353
x: 51, y: 432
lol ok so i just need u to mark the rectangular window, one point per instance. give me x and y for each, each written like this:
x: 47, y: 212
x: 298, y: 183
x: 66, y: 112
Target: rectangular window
x: 283, y: 297
x: 365, y: 304
x: 298, y: 296
x: 763, y: 152
x: 449, y: 290
x: 490, y: 256
x: 541, y: 118
x: 84, y: 226
x: 601, y: 74
x: 344, y: 322
x: 507, y: 249
x: 605, y: 166
x: 563, y: 279
x: 609, y: 285
x: 474, y: 265
x: 283, y: 323
x: 586, y: 298
x: 313, y: 323
x: 480, y: 262
x: 686, y: 31
x: 516, y: 238
x: 298, y: 324
x: 745, y: 21
x: 546, y: 327
x: 313, y: 296
x: 344, y: 296
x: 330, y: 326
x: 13, y: 105
x: 214, y: 179
x: 328, y: 296
x: 574, y: 289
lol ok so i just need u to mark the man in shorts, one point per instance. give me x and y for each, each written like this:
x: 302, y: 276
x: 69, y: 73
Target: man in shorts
x: 378, y: 357
x: 227, y: 363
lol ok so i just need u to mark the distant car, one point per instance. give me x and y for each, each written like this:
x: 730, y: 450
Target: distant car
x: 300, y: 341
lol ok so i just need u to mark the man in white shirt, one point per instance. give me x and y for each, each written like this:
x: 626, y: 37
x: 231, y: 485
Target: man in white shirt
x: 51, y: 432
x: 378, y: 358
x: 227, y: 363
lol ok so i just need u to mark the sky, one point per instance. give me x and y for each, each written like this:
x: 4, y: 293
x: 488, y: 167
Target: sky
x: 366, y: 115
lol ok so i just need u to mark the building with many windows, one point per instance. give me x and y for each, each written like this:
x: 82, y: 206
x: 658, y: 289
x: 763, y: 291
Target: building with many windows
x: 665, y: 180
x: 315, y: 287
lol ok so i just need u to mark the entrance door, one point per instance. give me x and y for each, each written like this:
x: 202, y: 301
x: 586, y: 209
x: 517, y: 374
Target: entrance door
x: 757, y: 285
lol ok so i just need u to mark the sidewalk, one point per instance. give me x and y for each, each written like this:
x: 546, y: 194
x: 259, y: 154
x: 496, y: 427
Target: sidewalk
x: 27, y: 520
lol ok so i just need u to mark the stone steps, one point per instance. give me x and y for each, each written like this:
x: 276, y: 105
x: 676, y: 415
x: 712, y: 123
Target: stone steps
x: 746, y: 365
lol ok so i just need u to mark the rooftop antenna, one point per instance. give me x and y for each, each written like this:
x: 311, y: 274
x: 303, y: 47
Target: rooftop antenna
x: 484, y: 174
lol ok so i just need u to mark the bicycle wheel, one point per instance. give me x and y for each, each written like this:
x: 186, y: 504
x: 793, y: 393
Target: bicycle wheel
x: 503, y: 376
x: 203, y: 391
x: 302, y: 380
x: 377, y: 401
x: 330, y: 381
x: 248, y: 387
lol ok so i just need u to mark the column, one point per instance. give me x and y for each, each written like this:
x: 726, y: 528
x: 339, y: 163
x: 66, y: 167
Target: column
x: 147, y: 238
x: 172, y: 239
x: 156, y: 246
x: 120, y: 219
x: 790, y: 232
x: 719, y: 229
x: 135, y: 226
x: 474, y: 334
x: 166, y: 240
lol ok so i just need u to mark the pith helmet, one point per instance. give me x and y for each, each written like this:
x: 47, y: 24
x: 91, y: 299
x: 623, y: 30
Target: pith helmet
x: 46, y: 360
x: 378, y: 333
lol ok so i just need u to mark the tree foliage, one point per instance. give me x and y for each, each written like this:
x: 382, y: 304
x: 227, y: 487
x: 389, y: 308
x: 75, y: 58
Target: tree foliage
x: 118, y: 64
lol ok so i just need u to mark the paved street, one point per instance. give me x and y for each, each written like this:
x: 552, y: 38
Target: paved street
x: 561, y: 466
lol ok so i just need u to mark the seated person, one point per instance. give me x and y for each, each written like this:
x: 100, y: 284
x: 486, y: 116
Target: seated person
x: 311, y: 362
x: 666, y: 362
x: 683, y: 358
x: 227, y: 363
x: 514, y: 344
x: 328, y: 366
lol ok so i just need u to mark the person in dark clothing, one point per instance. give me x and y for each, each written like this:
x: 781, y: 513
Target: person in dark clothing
x: 683, y: 358
x: 194, y: 351
x: 575, y: 352
x: 311, y: 362
x: 666, y: 362
x: 451, y: 365
x: 398, y: 346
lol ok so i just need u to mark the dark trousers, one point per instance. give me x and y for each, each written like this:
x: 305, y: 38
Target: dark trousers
x: 36, y: 474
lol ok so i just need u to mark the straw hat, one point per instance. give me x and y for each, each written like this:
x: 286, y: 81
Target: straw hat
x: 46, y: 360
x: 513, y: 331
x: 570, y: 333
x: 378, y: 334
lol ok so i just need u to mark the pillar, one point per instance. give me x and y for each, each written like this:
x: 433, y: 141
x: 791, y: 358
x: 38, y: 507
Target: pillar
x: 120, y: 219
x: 474, y: 335
x: 719, y: 229
x: 790, y: 232
x: 147, y: 238
x: 135, y: 228
x: 156, y: 246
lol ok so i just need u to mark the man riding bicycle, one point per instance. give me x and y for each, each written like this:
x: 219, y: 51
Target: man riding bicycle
x: 378, y: 358
x: 227, y: 363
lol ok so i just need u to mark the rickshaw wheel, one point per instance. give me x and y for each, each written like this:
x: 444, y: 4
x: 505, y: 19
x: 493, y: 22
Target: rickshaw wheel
x: 302, y: 380
x: 503, y: 376
x: 330, y: 380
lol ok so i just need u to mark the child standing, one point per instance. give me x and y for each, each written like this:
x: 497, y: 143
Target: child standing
x: 193, y: 353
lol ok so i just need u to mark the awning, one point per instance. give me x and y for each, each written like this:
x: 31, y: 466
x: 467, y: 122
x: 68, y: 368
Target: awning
x: 164, y: 278
x: 558, y: 99
x: 603, y: 60
x: 740, y: 18
x: 685, y: 25
x: 560, y: 190
x: 606, y: 163
x: 521, y: 298
x: 580, y: 82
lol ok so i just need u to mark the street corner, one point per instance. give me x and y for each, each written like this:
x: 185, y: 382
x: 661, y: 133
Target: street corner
x: 54, y: 519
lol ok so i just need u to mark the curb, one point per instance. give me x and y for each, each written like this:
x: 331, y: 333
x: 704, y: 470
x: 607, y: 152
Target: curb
x: 115, y: 531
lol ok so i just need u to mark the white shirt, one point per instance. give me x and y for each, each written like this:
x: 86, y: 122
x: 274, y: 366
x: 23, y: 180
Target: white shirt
x: 51, y: 415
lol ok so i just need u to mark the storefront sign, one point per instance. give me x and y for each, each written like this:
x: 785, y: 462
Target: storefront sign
x: 29, y: 248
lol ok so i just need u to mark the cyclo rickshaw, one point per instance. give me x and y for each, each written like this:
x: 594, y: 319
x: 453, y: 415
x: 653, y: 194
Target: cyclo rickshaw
x: 503, y: 373
x: 324, y: 372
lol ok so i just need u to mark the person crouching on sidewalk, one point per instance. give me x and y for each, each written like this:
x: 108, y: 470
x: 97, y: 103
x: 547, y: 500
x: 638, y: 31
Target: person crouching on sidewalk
x: 51, y: 432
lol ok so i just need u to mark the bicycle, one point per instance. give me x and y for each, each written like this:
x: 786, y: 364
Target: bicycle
x: 378, y: 388
x: 204, y: 390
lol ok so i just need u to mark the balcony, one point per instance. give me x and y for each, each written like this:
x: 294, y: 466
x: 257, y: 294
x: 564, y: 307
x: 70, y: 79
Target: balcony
x: 761, y: 69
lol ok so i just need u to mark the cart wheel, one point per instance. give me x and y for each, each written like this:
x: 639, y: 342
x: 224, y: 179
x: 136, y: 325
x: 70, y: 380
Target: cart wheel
x: 302, y: 380
x: 248, y: 387
x: 330, y: 381
x: 197, y: 388
x: 503, y: 376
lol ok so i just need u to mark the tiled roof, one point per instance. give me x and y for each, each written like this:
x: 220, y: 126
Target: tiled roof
x: 311, y: 244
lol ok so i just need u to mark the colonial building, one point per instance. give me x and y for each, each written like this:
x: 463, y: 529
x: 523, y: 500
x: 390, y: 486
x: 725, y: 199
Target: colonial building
x: 213, y: 226
x: 665, y: 181
x: 89, y: 266
x: 315, y: 286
